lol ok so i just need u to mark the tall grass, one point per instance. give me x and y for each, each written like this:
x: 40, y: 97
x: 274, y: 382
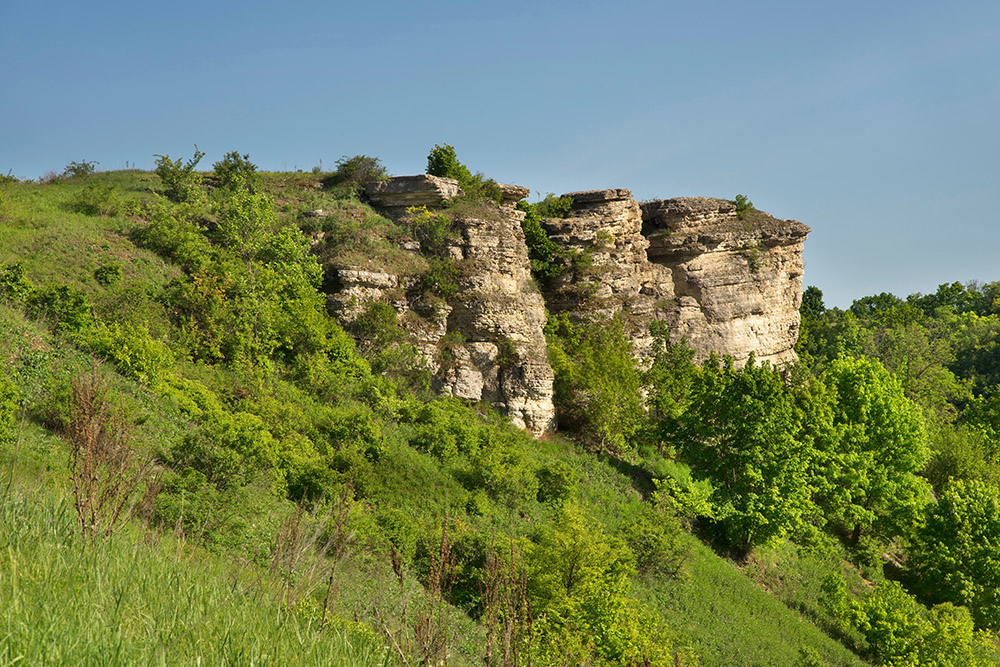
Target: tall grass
x: 137, y: 598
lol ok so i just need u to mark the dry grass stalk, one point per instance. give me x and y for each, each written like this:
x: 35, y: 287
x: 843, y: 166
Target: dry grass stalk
x: 308, y: 547
x: 432, y: 627
x: 105, y: 473
x: 506, y: 609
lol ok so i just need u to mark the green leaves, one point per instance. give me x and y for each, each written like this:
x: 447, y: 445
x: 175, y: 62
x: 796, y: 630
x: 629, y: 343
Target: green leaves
x: 740, y: 433
x: 955, y: 554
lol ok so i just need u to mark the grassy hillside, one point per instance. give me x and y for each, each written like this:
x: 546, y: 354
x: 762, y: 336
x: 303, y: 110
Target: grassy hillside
x: 290, y: 505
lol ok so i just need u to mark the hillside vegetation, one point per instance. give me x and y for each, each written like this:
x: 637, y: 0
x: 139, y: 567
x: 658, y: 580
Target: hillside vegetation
x: 199, y: 464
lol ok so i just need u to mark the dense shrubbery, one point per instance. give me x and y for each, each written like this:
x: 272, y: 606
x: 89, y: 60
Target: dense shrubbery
x: 261, y: 401
x: 442, y: 161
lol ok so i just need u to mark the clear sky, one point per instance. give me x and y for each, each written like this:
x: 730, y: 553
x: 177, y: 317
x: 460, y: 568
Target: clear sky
x: 873, y: 122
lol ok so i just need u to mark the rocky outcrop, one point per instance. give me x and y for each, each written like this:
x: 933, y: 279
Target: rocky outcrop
x: 606, y: 271
x: 737, y: 276
x: 725, y: 280
x: 393, y: 196
x: 484, y: 342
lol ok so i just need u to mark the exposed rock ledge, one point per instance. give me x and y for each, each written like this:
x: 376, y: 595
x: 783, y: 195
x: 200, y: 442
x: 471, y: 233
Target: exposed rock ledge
x: 725, y: 282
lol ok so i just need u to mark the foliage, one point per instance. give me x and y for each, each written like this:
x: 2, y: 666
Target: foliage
x: 597, y: 384
x: 670, y: 379
x: 878, y: 446
x: 443, y: 161
x: 235, y: 172
x: 8, y: 405
x: 180, y: 181
x: 66, y: 308
x: 578, y: 580
x: 740, y: 433
x: 953, y: 555
x: 108, y: 274
x: 434, y: 231
x: 743, y: 205
x: 896, y: 632
x: 354, y: 173
x: 542, y: 251
x: 80, y: 169
x: 15, y: 288
x: 100, y: 198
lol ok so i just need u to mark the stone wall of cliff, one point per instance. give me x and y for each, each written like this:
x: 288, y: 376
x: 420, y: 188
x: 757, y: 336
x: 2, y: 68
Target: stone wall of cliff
x: 724, y: 280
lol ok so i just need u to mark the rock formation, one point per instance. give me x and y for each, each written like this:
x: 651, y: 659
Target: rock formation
x: 725, y: 280
x: 485, y: 341
x: 737, y: 279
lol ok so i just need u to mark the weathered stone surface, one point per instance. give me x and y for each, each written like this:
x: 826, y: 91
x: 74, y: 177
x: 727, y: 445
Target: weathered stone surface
x: 608, y: 272
x: 728, y: 284
x: 394, y: 196
x: 738, y: 279
x: 514, y: 193
x: 496, y: 352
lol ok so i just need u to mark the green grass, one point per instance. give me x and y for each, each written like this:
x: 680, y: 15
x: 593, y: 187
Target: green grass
x: 733, y: 621
x: 143, y: 598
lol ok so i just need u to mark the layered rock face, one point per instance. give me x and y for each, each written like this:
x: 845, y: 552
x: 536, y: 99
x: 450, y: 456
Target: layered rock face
x: 606, y: 270
x: 484, y: 342
x: 726, y: 281
x: 737, y: 279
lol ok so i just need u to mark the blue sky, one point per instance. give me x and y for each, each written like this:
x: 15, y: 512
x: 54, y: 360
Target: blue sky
x: 873, y: 122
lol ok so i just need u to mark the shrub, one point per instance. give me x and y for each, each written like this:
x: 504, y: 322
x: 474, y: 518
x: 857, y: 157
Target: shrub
x: 108, y: 274
x: 743, y: 205
x: 14, y: 285
x: 556, y: 482
x: 442, y: 161
x: 66, y: 308
x: 235, y: 171
x: 101, y: 199
x: 553, y: 207
x: 181, y: 182
x: 134, y: 353
x: 82, y: 168
x: 542, y: 251
x: 354, y: 173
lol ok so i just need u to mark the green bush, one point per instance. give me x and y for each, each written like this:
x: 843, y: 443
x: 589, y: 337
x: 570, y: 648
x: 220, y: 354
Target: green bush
x: 354, y: 173
x: 108, y: 274
x: 556, y: 482
x: 67, y: 309
x: 180, y: 181
x: 234, y: 172
x: 81, y: 168
x: 543, y: 253
x: 100, y: 198
x: 743, y: 206
x: 442, y: 161
x: 15, y: 288
x: 135, y: 354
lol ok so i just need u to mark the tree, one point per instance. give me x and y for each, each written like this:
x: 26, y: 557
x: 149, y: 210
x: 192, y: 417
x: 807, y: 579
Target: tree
x: 878, y: 446
x: 740, y: 433
x: 442, y: 161
x: 597, y: 385
x: 954, y: 555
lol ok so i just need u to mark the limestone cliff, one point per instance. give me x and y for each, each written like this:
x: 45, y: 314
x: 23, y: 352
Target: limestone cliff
x: 737, y: 280
x: 484, y: 342
x: 726, y: 281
